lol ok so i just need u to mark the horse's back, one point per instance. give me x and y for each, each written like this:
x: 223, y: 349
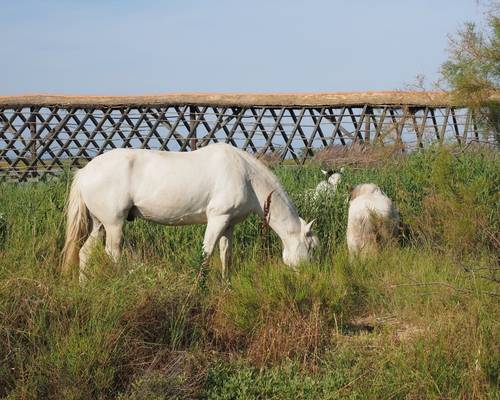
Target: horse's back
x: 167, y: 187
x: 197, y: 165
x: 366, y: 204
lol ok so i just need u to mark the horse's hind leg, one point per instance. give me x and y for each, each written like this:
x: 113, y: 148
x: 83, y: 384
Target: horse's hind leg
x: 88, y: 246
x: 225, y: 248
x: 113, y: 239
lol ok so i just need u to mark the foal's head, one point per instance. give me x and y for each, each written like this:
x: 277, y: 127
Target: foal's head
x: 300, y: 246
x: 333, y: 176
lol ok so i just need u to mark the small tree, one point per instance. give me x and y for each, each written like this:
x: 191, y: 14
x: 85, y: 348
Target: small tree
x: 473, y: 69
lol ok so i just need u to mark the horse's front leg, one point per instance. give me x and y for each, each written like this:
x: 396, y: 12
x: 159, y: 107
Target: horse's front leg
x: 216, y: 226
x: 225, y: 248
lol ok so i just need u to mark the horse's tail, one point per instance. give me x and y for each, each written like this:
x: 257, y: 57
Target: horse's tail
x: 77, y: 227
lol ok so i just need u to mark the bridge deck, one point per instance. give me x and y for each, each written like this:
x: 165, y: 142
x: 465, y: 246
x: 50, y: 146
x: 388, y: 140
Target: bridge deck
x: 422, y: 99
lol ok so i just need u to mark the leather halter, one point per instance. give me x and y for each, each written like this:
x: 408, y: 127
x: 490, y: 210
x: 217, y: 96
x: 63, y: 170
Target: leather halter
x: 267, y: 214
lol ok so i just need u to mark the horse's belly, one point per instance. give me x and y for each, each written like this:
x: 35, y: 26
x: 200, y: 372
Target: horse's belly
x: 184, y: 220
x: 168, y: 217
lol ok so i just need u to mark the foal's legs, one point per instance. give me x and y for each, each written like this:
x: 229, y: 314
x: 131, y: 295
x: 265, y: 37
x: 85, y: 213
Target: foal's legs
x: 225, y: 247
x: 88, y: 246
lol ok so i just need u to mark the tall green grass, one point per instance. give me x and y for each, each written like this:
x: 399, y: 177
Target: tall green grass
x: 417, y: 321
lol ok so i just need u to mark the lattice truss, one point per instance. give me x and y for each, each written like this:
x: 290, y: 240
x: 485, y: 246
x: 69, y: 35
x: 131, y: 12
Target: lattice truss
x: 39, y: 141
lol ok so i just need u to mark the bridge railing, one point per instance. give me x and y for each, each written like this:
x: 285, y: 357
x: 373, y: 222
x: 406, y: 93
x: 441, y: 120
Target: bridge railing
x: 42, y: 135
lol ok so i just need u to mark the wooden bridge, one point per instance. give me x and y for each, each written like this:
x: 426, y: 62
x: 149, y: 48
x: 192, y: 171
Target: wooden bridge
x: 41, y: 135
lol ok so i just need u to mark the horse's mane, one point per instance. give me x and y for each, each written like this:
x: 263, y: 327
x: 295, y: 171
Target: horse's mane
x: 264, y: 173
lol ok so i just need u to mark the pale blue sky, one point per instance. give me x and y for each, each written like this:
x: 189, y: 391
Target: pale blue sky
x: 152, y: 46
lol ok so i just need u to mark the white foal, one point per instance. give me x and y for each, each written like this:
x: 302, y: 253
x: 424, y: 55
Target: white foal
x: 329, y: 185
x: 218, y: 185
x: 372, y: 220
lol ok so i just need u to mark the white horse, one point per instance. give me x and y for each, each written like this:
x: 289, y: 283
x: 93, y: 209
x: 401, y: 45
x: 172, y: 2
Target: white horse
x: 329, y: 185
x: 217, y: 185
x: 372, y: 220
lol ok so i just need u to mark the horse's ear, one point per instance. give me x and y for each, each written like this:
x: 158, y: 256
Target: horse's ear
x: 306, y: 227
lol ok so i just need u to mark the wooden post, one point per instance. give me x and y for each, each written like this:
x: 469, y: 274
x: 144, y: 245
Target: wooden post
x: 468, y: 119
x: 434, y: 122
x: 455, y: 125
x: 474, y: 125
x: 444, y: 126
x: 379, y: 126
x: 413, y: 111
x: 192, y: 127
x: 33, y: 139
x: 369, y: 112
x: 400, y: 127
x: 422, y: 127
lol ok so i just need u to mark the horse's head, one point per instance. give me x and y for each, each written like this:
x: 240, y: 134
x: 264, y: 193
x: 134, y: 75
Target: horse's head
x: 299, y: 246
